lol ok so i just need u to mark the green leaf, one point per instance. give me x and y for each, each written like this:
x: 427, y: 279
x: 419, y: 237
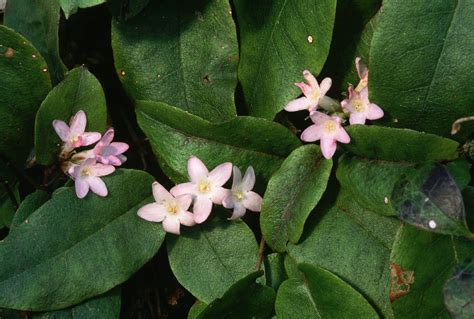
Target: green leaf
x: 371, y: 182
x: 176, y: 135
x: 79, y: 90
x: 459, y: 292
x: 126, y: 9
x: 275, y: 272
x: 28, y: 206
x: 420, y: 73
x: 102, y: 307
x: 468, y: 197
x: 278, y: 40
x: 399, y: 145
x: 181, y: 53
x: 71, y: 6
x: 429, y: 257
x: 245, y: 299
x: 208, y: 259
x: 292, y: 193
x: 429, y: 198
x: 320, y: 294
x: 23, y: 85
x: 8, y: 205
x: 72, y: 249
x: 460, y: 172
x: 38, y: 21
x: 354, y: 244
x: 196, y: 309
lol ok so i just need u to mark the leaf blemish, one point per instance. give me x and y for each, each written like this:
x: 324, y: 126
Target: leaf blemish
x: 205, y: 80
x: 400, y: 281
x: 9, y: 53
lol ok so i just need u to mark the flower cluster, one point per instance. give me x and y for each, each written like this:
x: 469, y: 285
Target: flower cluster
x: 87, y: 166
x: 203, y: 190
x: 327, y: 127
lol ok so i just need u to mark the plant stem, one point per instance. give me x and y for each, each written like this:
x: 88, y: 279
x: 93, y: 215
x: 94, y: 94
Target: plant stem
x: 260, y: 254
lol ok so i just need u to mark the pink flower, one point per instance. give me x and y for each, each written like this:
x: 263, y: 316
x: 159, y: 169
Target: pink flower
x: 360, y: 108
x: 74, y: 135
x: 241, y: 197
x: 313, y: 93
x: 328, y: 130
x: 363, y: 74
x: 205, y: 187
x: 86, y: 176
x: 108, y: 152
x: 172, y: 211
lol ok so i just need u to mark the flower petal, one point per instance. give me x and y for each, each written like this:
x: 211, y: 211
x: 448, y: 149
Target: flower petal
x: 228, y: 201
x: 312, y: 133
x: 357, y: 118
x: 97, y: 186
x: 361, y: 68
x: 171, y: 225
x: 152, y: 212
x: 248, y: 181
x: 108, y: 137
x: 342, y: 136
x: 90, y: 138
x: 119, y: 147
x: 374, y: 112
x: 239, y: 211
x: 221, y: 174
x: 253, y: 201
x: 302, y: 103
x: 184, y: 201
x: 102, y: 170
x: 218, y: 195
x: 62, y: 129
x: 309, y: 77
x: 184, y: 188
x: 318, y: 117
x: 186, y: 218
x: 160, y: 193
x: 78, y: 123
x: 305, y: 88
x: 328, y: 147
x: 236, y: 177
x: 82, y: 187
x: 196, y: 169
x: 202, y: 209
x: 325, y: 86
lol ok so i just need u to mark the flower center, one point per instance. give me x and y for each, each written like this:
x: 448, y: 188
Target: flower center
x: 330, y: 126
x: 86, y: 172
x: 204, y: 187
x: 358, y: 105
x: 315, y: 94
x: 74, y: 140
x: 238, y: 196
x: 172, y: 208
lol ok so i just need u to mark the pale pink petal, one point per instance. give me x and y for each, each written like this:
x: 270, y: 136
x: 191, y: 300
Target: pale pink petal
x: 357, y: 118
x: 82, y: 187
x: 346, y: 104
x: 361, y: 68
x: 122, y: 158
x: 252, y: 201
x: 312, y: 133
x: 196, y: 169
x: 325, y: 86
x: 90, y: 138
x: 108, y: 137
x: 152, y: 212
x: 184, y: 188
x: 221, y: 174
x: 171, y: 225
x: 218, y: 195
x: 62, y: 130
x: 328, y: 147
x: 248, y: 181
x: 236, y: 177
x: 239, y: 211
x: 318, y: 117
x: 97, y: 186
x: 305, y: 88
x: 202, y: 209
x: 110, y: 160
x: 310, y: 79
x: 186, y: 218
x: 102, y: 170
x: 78, y: 123
x: 302, y: 103
x: 119, y: 147
x: 374, y: 112
x: 342, y: 136
x: 184, y: 201
x: 228, y: 201
x: 160, y: 193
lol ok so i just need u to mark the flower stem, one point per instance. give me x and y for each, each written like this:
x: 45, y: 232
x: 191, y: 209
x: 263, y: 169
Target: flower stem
x: 260, y: 254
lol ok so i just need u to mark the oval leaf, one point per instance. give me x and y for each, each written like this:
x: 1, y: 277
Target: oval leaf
x: 208, y: 259
x: 176, y: 135
x: 181, y: 53
x: 320, y: 294
x: 424, y: 78
x: 71, y: 6
x: 292, y: 193
x: 459, y: 292
x: 23, y: 85
x: 28, y: 206
x: 79, y: 90
x: 71, y: 249
x: 279, y: 39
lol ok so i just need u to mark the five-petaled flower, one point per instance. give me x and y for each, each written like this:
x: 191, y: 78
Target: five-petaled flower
x: 360, y: 108
x: 87, y: 176
x: 241, y: 197
x: 313, y: 93
x: 363, y: 73
x: 108, y: 152
x: 74, y: 135
x: 328, y: 130
x: 206, y: 187
x: 172, y: 211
